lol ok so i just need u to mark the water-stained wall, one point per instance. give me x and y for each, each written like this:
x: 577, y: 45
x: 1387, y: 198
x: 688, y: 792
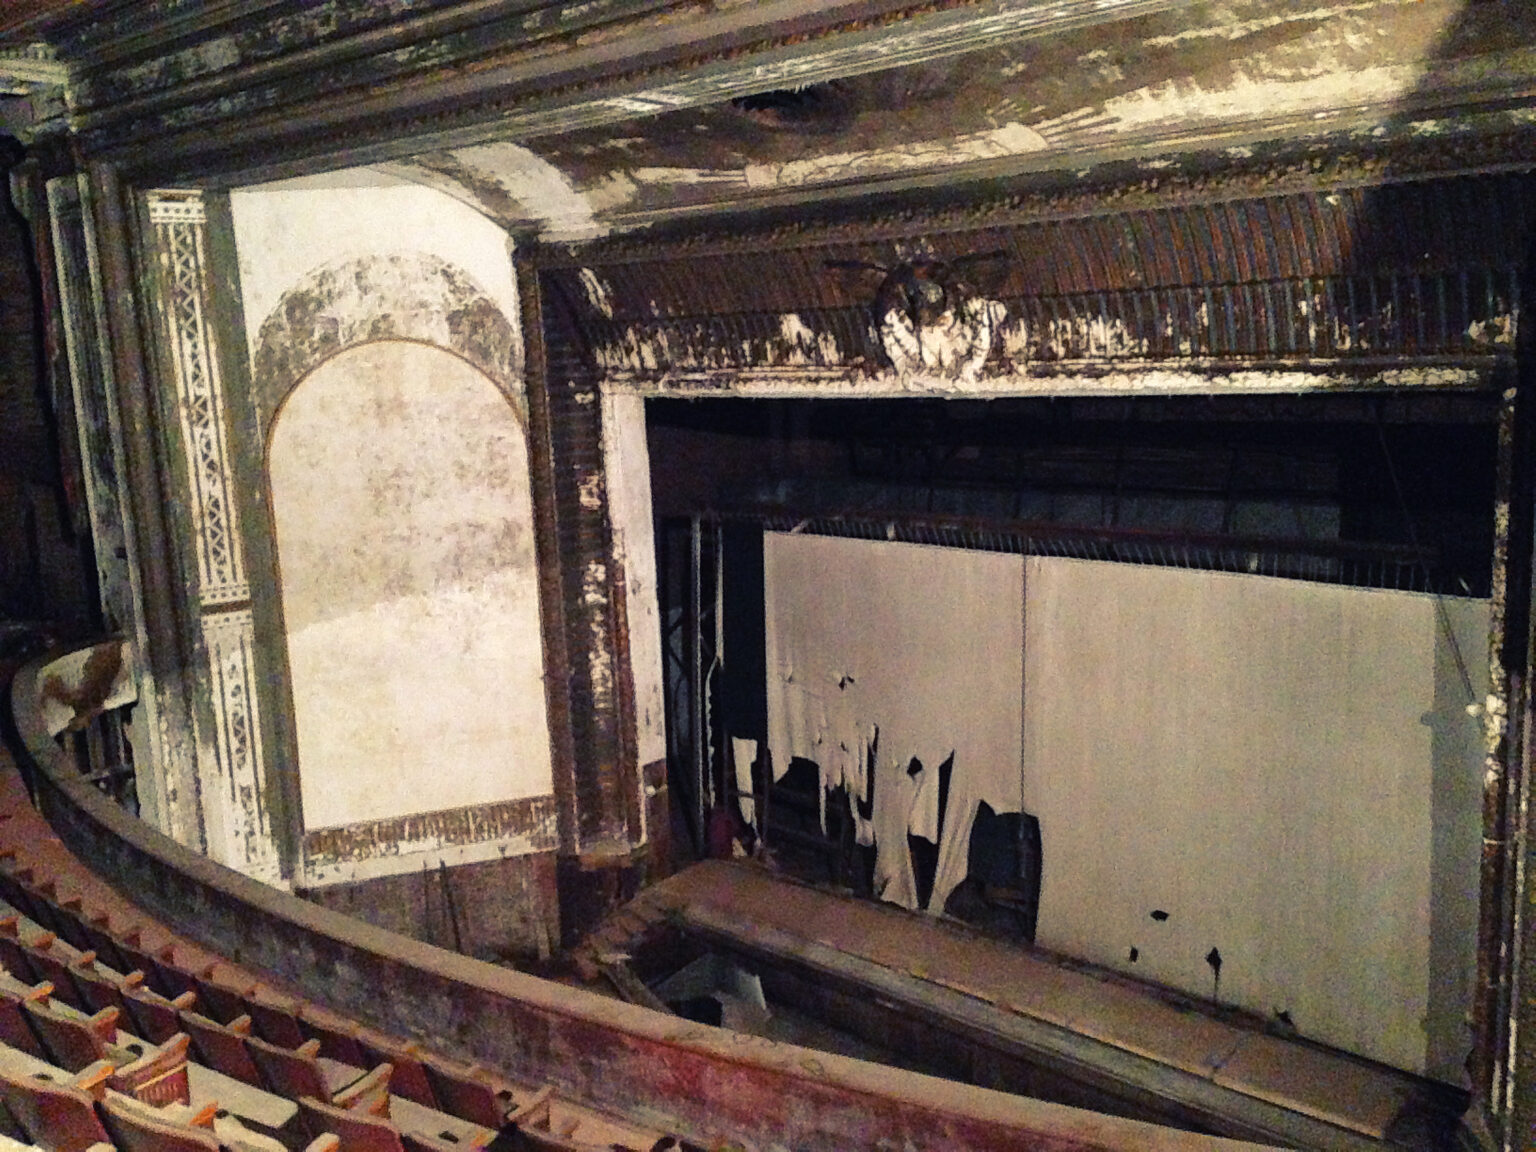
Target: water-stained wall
x: 388, y: 407
x: 405, y: 540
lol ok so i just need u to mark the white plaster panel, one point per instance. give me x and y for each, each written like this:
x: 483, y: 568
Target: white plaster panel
x: 287, y: 229
x: 627, y: 468
x: 400, y: 489
x: 1286, y: 769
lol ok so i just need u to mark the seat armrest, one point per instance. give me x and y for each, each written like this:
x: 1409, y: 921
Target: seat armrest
x: 93, y: 1078
x: 104, y: 1024
x: 535, y: 1110
x: 369, y: 1093
x: 204, y: 1116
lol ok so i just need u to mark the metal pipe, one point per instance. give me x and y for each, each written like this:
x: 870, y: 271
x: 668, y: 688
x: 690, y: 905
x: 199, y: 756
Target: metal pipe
x: 696, y: 678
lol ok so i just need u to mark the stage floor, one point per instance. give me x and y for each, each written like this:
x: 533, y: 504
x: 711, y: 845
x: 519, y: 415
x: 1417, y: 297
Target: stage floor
x: 1244, y: 1080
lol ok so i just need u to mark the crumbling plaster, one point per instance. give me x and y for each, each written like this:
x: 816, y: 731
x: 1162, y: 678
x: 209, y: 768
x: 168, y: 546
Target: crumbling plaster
x: 286, y: 231
x: 1228, y: 75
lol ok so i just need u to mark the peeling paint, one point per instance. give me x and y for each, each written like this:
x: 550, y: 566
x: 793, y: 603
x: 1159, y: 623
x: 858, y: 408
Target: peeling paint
x: 1072, y: 338
x: 1238, y: 29
x: 594, y: 585
x: 1496, y: 331
x: 1081, y: 378
x: 597, y: 292
x: 1012, y: 139
x: 803, y: 346
x: 406, y: 296
x: 530, y: 820
x: 589, y: 491
x: 512, y: 184
x: 956, y: 344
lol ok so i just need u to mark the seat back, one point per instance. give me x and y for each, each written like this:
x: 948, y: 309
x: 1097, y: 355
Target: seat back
x: 468, y: 1092
x: 525, y: 1138
x: 337, y: 1035
x: 14, y: 1028
x: 158, y: 1077
x: 155, y: 1018
x: 97, y: 988
x: 136, y: 1129
x: 222, y: 1047
x: 290, y: 1072
x: 170, y: 977
x: 53, y: 966
x: 98, y: 930
x: 357, y: 1131
x: 55, y: 1116
x: 274, y: 1018
x: 220, y: 997
x: 410, y: 1076
x: 136, y: 958
x: 19, y: 889
x: 427, y: 1142
x: 70, y: 918
x: 72, y: 1043
x: 368, y: 1093
x: 13, y: 956
x: 12, y: 890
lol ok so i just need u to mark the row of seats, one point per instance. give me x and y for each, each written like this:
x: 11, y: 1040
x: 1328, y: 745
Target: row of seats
x: 103, y: 1040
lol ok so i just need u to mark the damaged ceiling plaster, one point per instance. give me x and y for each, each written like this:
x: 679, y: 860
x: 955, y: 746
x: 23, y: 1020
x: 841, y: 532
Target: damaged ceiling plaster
x: 1224, y: 79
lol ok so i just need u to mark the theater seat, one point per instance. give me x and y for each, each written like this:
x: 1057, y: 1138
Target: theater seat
x: 158, y: 1077
x: 296, y: 1072
x: 58, y: 1116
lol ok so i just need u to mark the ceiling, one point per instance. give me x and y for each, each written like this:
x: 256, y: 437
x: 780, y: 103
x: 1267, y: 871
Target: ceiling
x: 573, y: 121
x: 1226, y: 78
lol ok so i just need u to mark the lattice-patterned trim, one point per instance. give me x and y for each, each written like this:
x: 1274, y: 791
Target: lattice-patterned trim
x: 179, y: 229
x: 248, y: 846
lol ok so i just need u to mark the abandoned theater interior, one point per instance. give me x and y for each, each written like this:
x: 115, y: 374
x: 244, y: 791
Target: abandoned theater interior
x: 767, y: 574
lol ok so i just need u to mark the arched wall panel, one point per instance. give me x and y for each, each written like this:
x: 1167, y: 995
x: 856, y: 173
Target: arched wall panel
x: 400, y: 492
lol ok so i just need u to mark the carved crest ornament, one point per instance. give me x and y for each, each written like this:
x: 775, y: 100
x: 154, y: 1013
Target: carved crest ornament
x: 931, y: 321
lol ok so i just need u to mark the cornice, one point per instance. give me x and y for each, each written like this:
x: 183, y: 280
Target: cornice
x: 1495, y: 143
x: 583, y: 67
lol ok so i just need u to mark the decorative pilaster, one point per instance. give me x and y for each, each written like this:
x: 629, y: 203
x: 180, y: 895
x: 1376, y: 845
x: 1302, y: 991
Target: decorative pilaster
x: 230, y: 760
x: 179, y: 223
